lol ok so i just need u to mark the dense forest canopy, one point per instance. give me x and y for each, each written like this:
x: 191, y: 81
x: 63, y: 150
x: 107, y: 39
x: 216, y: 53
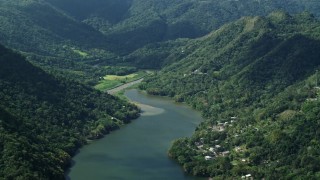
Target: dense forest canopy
x: 250, y: 66
x: 45, y: 119
x: 103, y: 27
x: 255, y: 80
x: 134, y: 23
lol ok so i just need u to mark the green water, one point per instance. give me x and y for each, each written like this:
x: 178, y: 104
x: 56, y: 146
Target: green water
x: 139, y: 150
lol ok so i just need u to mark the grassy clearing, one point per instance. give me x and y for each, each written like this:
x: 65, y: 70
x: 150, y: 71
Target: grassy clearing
x: 81, y: 53
x: 111, y: 81
x: 120, y: 78
x: 105, y: 85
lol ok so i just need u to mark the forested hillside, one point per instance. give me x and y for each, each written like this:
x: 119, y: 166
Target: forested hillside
x: 94, y: 29
x: 255, y: 79
x: 131, y: 24
x: 45, y: 119
x: 256, y: 82
x: 38, y: 27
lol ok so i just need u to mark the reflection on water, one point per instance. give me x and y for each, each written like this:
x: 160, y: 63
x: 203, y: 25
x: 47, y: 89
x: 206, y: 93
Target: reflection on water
x: 138, y: 151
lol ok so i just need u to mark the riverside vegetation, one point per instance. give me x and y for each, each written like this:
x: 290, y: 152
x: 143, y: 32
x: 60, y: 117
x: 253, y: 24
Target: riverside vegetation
x: 44, y: 119
x: 254, y: 79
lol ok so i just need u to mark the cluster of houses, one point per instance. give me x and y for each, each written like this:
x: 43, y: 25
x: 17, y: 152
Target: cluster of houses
x: 222, y: 125
x: 215, y: 151
x: 237, y: 149
x: 212, y: 152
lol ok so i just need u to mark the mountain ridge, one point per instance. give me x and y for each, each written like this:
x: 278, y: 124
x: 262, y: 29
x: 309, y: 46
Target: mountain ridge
x: 254, y: 80
x: 123, y: 27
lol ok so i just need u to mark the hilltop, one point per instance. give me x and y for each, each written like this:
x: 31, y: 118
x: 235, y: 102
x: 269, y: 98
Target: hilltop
x: 107, y: 28
x: 255, y: 81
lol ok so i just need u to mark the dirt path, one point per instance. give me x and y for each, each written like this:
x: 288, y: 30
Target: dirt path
x: 124, y: 86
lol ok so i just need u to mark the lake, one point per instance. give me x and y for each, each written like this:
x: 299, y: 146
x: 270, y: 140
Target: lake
x: 138, y: 150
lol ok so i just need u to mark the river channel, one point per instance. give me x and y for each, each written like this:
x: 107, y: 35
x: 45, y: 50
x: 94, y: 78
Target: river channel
x: 138, y: 151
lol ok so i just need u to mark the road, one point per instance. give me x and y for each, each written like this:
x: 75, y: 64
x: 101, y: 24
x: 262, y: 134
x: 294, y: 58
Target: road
x: 124, y: 86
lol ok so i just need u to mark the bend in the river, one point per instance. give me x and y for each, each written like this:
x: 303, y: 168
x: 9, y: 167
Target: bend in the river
x: 139, y: 150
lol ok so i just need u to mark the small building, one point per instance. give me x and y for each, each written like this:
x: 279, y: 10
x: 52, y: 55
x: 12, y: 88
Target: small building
x: 238, y: 149
x: 225, y: 153
x: 207, y: 158
x: 200, y: 146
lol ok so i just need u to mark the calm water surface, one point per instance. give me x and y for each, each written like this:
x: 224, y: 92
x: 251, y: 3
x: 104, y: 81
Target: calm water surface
x: 138, y: 151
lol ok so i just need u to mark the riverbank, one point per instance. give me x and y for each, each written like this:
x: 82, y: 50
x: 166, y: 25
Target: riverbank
x: 139, y: 151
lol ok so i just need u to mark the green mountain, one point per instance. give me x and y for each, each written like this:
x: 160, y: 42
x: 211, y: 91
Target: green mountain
x: 38, y: 27
x: 104, y: 28
x: 131, y: 24
x: 44, y: 119
x: 255, y: 80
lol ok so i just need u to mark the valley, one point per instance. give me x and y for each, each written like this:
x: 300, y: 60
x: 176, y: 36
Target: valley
x: 139, y: 150
x: 250, y: 67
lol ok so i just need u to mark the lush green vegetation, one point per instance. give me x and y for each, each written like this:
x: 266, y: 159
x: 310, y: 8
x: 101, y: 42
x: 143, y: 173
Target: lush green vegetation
x: 100, y: 27
x: 131, y: 24
x: 36, y: 26
x: 45, y: 119
x: 111, y: 81
x: 258, y: 70
x: 255, y: 81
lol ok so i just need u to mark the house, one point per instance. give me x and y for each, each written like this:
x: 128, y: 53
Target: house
x: 238, y: 149
x: 200, y: 146
x: 207, y: 158
x: 211, y: 149
x: 246, y: 176
x: 225, y: 153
